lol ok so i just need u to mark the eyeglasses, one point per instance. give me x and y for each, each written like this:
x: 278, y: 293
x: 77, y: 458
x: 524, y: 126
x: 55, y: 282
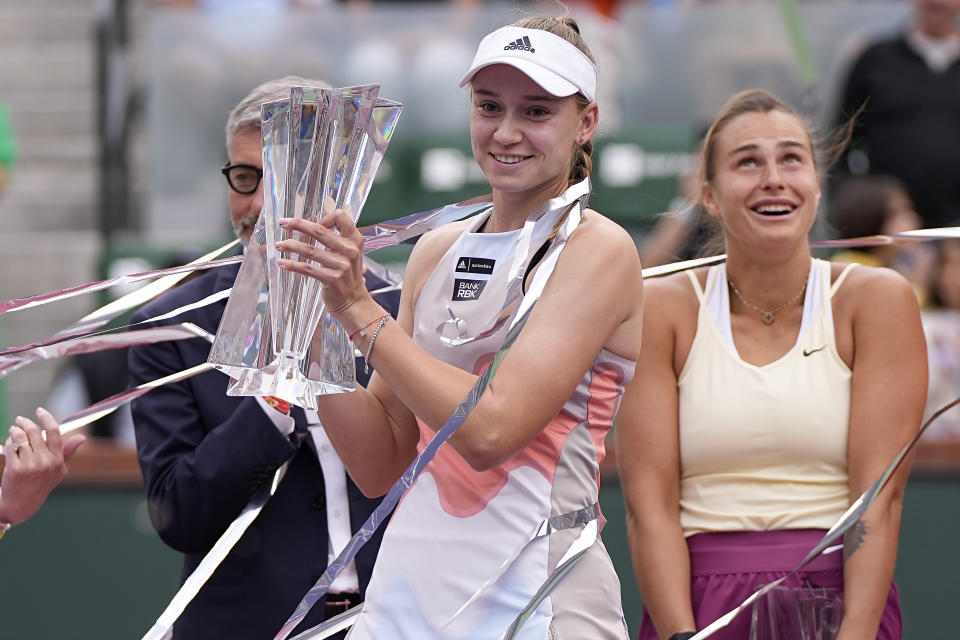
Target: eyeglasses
x: 242, y: 178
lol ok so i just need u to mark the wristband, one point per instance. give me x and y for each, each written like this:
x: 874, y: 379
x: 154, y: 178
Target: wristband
x: 280, y: 405
x: 682, y: 635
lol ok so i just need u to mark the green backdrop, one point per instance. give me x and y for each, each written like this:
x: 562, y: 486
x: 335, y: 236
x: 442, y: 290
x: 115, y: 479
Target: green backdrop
x: 88, y: 565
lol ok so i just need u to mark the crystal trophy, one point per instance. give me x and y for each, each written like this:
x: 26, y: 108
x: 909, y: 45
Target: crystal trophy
x: 319, y: 144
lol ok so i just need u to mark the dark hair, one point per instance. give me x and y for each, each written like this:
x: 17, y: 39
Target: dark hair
x: 861, y: 205
x: 567, y: 28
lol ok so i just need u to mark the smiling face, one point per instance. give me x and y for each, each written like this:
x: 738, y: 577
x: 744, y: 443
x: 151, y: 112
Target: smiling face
x: 523, y: 138
x: 245, y: 208
x: 765, y: 188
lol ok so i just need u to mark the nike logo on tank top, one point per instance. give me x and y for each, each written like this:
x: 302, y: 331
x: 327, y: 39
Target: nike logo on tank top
x: 763, y: 447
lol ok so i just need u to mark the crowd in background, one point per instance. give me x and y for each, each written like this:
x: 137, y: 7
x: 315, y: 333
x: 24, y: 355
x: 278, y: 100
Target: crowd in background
x: 897, y: 126
x: 895, y: 174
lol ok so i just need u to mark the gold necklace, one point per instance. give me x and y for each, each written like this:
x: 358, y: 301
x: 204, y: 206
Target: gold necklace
x: 767, y: 316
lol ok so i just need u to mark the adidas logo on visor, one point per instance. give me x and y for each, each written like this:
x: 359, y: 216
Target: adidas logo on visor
x: 521, y: 44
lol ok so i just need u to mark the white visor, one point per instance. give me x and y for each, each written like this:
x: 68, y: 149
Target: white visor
x: 557, y: 66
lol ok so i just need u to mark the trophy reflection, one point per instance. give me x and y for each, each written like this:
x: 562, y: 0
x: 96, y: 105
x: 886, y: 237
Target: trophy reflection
x: 319, y: 144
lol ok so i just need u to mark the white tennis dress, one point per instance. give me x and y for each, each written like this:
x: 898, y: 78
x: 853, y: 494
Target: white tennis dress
x: 462, y: 557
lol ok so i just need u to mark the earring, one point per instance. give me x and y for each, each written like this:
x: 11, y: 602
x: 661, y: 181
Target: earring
x: 582, y: 140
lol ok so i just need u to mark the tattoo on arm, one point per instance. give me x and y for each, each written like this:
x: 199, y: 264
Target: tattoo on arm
x: 853, y: 539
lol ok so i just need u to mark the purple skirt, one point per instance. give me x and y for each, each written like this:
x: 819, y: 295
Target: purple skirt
x: 726, y: 568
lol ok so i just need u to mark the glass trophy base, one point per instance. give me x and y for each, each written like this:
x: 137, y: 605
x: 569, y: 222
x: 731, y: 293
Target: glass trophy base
x: 288, y: 384
x: 321, y: 147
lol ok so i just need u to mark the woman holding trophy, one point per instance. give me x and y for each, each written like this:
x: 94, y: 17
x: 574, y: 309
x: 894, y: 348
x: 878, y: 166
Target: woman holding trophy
x: 496, y: 516
x: 771, y: 392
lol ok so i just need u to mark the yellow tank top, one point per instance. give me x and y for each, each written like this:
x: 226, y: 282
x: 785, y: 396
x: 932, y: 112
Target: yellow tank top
x: 763, y: 448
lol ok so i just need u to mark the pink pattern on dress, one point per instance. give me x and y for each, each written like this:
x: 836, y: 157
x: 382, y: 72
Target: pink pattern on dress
x: 605, y: 390
x: 464, y: 492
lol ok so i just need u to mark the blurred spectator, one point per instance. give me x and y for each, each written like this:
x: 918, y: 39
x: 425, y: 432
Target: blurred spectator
x: 600, y: 23
x: 941, y: 325
x: 909, y: 89
x: 874, y: 205
x: 685, y: 232
x: 8, y: 148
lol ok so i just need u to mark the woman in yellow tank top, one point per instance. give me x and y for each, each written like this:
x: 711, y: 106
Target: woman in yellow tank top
x: 769, y: 393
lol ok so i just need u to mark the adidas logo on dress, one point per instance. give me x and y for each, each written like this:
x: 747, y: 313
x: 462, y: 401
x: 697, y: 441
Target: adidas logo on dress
x: 522, y: 44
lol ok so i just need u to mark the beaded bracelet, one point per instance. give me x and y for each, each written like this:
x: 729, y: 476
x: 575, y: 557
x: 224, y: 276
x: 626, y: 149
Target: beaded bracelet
x: 373, y: 338
x: 363, y: 330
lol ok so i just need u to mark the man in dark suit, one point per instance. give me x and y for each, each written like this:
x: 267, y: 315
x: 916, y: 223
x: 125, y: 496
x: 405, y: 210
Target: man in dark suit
x: 204, y: 454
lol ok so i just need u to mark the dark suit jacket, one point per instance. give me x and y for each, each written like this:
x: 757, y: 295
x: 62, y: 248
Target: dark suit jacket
x: 204, y: 454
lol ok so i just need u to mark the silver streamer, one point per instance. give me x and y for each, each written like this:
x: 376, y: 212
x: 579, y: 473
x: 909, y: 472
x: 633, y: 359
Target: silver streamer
x: 573, y: 555
x: 545, y: 528
x: 102, y: 342
x: 393, y: 232
x: 82, y: 337
x: 329, y: 627
x: 88, y: 324
x: 45, y: 298
x: 111, y: 404
x: 191, y: 586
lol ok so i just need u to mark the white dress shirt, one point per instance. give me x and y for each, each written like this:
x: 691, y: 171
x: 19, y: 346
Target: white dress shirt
x: 335, y: 488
